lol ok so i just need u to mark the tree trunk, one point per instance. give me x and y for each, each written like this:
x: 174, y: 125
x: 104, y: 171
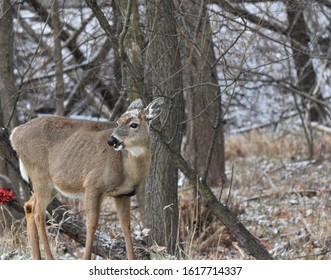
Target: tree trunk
x: 8, y: 92
x: 303, y: 64
x: 59, y: 84
x: 7, y: 80
x: 130, y: 48
x: 162, y: 65
x: 202, y: 95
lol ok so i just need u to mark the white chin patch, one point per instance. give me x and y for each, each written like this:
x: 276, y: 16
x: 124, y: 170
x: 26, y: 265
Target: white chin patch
x: 119, y: 147
x: 136, y: 150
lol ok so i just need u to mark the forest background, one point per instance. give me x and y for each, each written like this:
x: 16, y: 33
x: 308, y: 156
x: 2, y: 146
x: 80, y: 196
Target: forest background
x: 241, y: 155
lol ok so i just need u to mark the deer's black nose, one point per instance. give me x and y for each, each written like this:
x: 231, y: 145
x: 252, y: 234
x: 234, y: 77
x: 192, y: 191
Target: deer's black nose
x: 112, y: 141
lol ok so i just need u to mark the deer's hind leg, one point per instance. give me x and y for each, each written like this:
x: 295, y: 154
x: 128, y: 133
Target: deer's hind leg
x: 32, y: 228
x: 35, y: 210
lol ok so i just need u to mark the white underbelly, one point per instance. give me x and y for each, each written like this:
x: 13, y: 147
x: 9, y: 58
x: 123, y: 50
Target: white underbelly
x: 69, y: 194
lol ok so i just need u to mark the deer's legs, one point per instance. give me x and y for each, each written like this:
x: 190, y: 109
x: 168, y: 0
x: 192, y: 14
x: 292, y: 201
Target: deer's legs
x: 39, y: 216
x: 92, y: 208
x: 123, y: 205
x: 35, y: 210
x: 32, y: 229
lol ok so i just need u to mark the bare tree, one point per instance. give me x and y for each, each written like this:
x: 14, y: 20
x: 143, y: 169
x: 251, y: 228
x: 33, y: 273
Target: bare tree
x: 306, y: 76
x: 8, y: 93
x: 7, y: 79
x: 59, y: 84
x: 163, y: 77
x: 204, y: 124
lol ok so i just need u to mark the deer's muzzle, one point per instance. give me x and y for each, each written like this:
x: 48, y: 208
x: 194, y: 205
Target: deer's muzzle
x: 113, y: 142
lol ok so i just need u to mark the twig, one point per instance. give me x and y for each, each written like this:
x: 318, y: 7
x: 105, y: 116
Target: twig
x: 44, y: 15
x: 213, y: 140
x: 230, y: 186
x: 284, y: 193
x: 264, y: 125
x: 124, y: 30
x: 321, y: 127
x: 307, y: 131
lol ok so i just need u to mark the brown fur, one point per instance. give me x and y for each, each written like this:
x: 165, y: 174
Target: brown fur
x: 73, y: 157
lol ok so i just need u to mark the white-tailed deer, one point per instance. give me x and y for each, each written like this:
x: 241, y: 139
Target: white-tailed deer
x: 74, y: 158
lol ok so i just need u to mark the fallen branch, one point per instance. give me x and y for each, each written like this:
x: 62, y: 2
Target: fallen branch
x: 283, y: 193
x: 321, y: 127
x: 104, y: 246
x: 264, y: 125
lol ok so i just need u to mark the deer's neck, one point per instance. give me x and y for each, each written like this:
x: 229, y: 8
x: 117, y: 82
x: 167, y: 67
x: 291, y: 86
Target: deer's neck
x: 137, y: 151
x: 137, y: 162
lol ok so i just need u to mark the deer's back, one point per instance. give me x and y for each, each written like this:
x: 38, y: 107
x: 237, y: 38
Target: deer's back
x: 68, y: 151
x: 46, y: 132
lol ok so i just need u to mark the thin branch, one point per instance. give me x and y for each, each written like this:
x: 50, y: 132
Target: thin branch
x: 74, y: 37
x: 124, y: 30
x: 243, y: 13
x: 110, y: 32
x: 94, y: 64
x: 36, y: 37
x: 44, y: 15
x: 231, y: 46
x: 215, y: 130
x: 118, y: 106
x: 306, y: 129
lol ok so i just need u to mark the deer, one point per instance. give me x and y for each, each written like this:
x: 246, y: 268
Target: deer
x: 84, y: 159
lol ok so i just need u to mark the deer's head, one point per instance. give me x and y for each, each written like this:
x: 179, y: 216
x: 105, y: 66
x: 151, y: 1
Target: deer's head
x: 132, y: 132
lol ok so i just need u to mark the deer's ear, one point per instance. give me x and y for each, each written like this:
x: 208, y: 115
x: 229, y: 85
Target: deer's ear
x: 153, y: 110
x: 136, y: 104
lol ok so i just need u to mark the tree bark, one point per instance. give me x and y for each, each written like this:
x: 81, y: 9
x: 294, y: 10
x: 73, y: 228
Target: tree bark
x: 130, y: 49
x: 163, y: 77
x: 59, y: 84
x: 202, y: 95
x: 8, y: 93
x: 306, y: 75
x: 7, y: 79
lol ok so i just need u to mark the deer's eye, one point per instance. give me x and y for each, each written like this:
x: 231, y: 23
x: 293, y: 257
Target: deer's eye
x: 134, y: 125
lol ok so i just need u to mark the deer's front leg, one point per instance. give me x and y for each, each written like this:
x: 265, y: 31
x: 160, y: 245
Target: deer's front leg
x: 92, y: 203
x: 123, y: 206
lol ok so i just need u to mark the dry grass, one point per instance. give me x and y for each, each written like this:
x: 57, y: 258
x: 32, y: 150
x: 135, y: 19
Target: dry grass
x: 280, y: 196
x: 284, y: 198
x: 13, y: 242
x: 288, y: 145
